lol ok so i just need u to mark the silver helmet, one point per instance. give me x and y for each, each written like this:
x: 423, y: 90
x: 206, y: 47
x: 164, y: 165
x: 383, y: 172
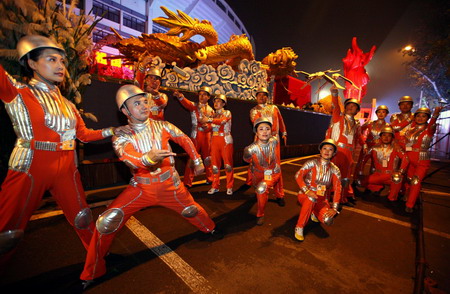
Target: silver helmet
x: 32, y: 42
x: 126, y: 92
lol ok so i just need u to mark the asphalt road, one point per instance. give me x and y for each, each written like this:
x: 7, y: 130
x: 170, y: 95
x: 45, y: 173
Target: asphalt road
x: 370, y: 248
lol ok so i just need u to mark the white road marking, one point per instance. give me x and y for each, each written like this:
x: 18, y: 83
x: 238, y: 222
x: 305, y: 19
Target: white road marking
x: 195, y: 281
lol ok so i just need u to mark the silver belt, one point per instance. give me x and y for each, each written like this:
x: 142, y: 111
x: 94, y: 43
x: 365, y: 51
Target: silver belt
x: 46, y: 145
x: 342, y: 145
x: 156, y: 179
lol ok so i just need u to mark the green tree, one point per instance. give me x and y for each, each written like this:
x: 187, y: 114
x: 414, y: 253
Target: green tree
x: 64, y: 24
x: 429, y: 65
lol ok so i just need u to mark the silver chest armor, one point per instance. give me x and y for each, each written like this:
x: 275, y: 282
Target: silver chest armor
x: 325, y: 170
x: 58, y: 116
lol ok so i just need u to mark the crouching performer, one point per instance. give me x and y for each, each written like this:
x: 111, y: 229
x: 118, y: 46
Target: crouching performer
x: 389, y: 165
x: 316, y: 179
x: 155, y: 181
x: 264, y: 164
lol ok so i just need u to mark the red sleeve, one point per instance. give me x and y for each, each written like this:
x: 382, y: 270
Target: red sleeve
x: 223, y: 119
x: 128, y: 154
x: 8, y: 89
x: 161, y: 100
x: 299, y: 177
x: 281, y: 121
x: 140, y: 79
x: 176, y: 135
x: 188, y: 104
x: 337, y: 188
x: 83, y: 133
x: 336, y: 114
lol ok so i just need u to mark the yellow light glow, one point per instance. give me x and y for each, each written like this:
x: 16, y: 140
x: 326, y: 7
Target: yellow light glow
x: 99, y: 57
x: 116, y: 62
x: 408, y: 48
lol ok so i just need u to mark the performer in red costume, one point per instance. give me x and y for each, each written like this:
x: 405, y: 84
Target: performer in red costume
x: 315, y: 179
x: 155, y: 181
x: 371, y: 130
x: 149, y: 79
x: 221, y: 144
x: 201, y: 132
x: 389, y: 163
x: 46, y: 125
x: 399, y: 121
x: 345, y: 130
x: 418, y: 137
x: 264, y: 164
x: 271, y: 111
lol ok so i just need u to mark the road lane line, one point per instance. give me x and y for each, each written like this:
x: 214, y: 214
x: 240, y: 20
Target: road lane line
x: 398, y: 222
x: 195, y: 281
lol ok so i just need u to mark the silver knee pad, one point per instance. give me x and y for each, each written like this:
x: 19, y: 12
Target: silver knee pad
x: 207, y: 161
x: 215, y: 169
x: 228, y: 168
x: 328, y: 218
x: 83, y: 219
x: 189, y: 211
x: 109, y: 221
x: 415, y: 180
x: 261, y: 188
x: 9, y: 240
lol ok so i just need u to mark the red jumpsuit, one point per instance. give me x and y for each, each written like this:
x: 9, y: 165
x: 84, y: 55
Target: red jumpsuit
x: 345, y: 131
x: 319, y: 176
x: 200, y: 136
x: 222, y: 147
x: 399, y: 121
x: 372, y: 129
x: 265, y: 170
x: 157, y: 103
x: 46, y: 125
x: 386, y: 160
x: 272, y: 111
x: 418, y: 139
x: 151, y: 185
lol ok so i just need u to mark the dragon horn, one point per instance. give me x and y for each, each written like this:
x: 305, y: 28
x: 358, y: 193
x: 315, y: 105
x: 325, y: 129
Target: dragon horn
x: 351, y: 82
x: 334, y: 82
x: 116, y: 33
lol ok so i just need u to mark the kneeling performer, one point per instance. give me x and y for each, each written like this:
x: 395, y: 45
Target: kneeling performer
x: 316, y: 179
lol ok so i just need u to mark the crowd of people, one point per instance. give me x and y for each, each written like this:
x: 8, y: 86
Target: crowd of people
x: 47, y: 125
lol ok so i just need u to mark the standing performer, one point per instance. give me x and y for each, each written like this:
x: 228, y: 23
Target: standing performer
x: 271, y: 111
x: 155, y: 181
x: 264, y: 164
x: 149, y: 79
x: 315, y: 179
x: 373, y: 128
x: 399, y: 121
x: 345, y: 130
x: 387, y: 169
x: 46, y: 125
x: 201, y: 133
x: 418, y: 137
x: 221, y: 144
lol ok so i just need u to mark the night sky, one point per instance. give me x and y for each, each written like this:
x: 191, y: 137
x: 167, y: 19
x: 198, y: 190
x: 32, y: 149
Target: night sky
x: 320, y: 32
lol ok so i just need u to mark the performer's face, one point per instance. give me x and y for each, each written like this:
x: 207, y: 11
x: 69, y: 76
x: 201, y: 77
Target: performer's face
x: 351, y: 109
x: 261, y: 98
x: 386, y: 138
x: 263, y: 132
x: 381, y: 114
x: 327, y: 151
x: 421, y: 118
x: 405, y: 107
x: 218, y: 104
x: 203, y: 97
x: 51, y: 65
x: 138, y: 109
x: 152, y: 83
